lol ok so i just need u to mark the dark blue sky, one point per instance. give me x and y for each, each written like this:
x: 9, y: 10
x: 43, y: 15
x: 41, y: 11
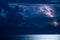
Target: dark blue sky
x: 34, y: 1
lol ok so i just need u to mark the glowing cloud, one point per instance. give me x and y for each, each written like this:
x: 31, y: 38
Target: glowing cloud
x: 55, y: 23
x: 47, y: 10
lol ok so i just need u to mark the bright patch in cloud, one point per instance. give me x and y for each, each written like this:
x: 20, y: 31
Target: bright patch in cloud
x: 55, y: 23
x: 47, y: 10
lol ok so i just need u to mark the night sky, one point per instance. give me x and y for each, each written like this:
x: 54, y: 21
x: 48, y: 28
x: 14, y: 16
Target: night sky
x: 19, y: 17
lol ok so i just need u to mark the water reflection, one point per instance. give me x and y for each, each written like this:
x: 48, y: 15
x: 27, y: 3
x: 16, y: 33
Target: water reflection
x: 38, y: 37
